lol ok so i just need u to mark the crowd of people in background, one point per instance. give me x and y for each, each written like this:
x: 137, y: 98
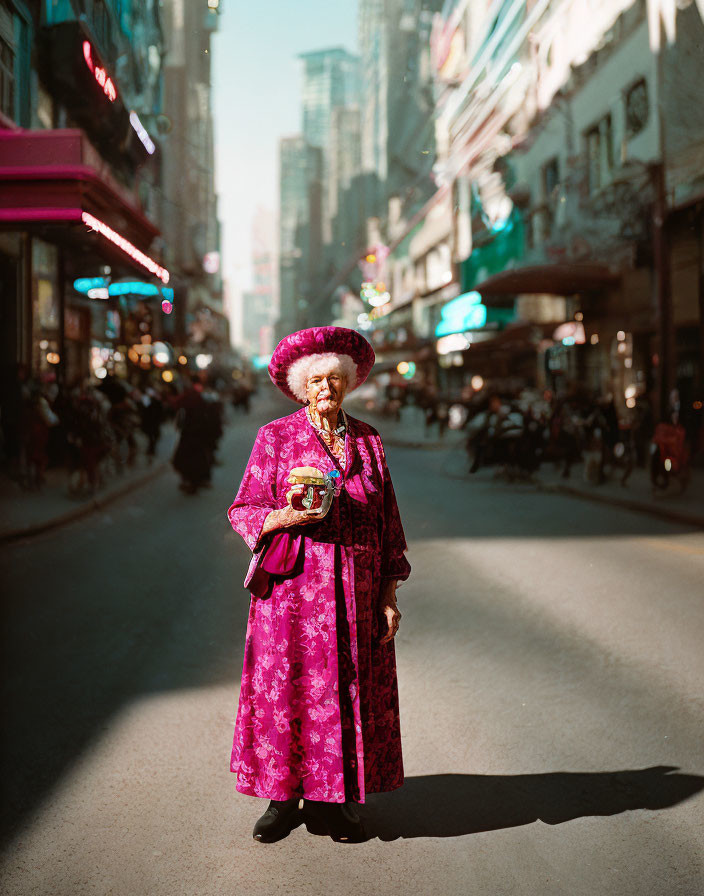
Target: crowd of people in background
x: 518, y: 429
x: 94, y: 430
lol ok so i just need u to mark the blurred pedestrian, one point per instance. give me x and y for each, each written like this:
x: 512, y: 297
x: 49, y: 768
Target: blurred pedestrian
x: 151, y: 413
x: 14, y: 391
x: 89, y: 437
x: 124, y: 420
x: 36, y: 421
x: 193, y: 457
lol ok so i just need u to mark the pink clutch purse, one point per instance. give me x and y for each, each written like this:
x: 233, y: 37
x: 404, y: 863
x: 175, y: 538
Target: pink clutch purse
x: 278, y: 558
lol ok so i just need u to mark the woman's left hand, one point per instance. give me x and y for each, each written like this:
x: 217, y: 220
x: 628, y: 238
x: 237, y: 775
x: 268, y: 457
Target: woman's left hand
x: 391, y: 612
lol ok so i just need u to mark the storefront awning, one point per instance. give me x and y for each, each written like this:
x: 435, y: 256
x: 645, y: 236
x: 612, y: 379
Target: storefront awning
x: 549, y: 279
x: 56, y: 177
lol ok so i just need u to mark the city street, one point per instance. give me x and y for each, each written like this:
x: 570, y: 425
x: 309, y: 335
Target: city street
x: 551, y: 677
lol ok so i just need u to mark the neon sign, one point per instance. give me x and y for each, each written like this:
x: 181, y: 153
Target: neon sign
x: 99, y: 73
x: 86, y: 285
x: 126, y: 246
x: 142, y: 133
x: 466, y: 312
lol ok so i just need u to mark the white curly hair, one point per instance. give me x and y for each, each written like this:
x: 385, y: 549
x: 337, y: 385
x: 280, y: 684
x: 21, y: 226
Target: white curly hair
x: 304, y: 368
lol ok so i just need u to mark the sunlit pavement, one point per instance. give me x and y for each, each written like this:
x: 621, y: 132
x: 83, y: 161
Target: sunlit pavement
x: 551, y: 672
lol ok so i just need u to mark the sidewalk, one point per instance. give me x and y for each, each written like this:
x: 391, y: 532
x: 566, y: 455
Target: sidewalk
x: 688, y: 508
x: 24, y: 513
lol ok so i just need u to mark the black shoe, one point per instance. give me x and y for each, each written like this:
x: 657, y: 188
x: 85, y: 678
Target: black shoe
x: 278, y: 821
x: 339, y: 820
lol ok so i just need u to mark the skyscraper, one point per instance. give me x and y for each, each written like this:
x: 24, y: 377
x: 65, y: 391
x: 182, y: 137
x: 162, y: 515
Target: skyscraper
x: 259, y: 306
x: 344, y: 165
x: 373, y: 25
x: 299, y: 227
x: 396, y: 92
x: 191, y: 226
x: 330, y: 81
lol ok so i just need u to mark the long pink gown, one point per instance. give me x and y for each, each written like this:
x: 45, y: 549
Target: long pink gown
x: 318, y: 711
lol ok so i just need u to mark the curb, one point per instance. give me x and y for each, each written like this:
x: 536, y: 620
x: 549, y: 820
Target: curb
x: 666, y: 513
x: 87, y: 507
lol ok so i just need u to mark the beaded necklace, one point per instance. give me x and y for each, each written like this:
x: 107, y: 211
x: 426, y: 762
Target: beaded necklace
x: 333, y: 438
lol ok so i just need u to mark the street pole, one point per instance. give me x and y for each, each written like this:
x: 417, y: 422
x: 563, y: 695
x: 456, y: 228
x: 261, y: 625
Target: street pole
x: 700, y: 229
x: 61, y: 285
x: 663, y: 293
x: 661, y: 254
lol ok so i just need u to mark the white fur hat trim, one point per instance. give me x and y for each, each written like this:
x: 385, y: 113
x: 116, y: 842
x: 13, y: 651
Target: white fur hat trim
x: 304, y: 368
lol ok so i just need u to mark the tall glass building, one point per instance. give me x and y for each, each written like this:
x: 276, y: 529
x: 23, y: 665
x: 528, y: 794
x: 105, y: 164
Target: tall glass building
x: 330, y: 81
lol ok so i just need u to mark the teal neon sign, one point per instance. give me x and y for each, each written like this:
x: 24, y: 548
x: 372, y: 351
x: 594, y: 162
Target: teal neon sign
x: 259, y: 362
x: 466, y: 312
x: 130, y: 288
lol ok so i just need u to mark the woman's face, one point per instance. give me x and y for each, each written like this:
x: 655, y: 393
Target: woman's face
x: 326, y: 389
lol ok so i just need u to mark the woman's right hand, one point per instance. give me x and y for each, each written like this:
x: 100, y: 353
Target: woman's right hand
x: 286, y: 517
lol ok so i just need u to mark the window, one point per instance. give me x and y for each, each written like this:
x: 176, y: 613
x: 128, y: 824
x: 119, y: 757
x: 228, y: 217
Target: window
x: 7, y: 63
x: 550, y: 182
x: 600, y: 153
x: 551, y: 177
x: 637, y: 108
x: 7, y: 79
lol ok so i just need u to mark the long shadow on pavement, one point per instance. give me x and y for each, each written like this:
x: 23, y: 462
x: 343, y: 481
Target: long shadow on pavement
x: 148, y: 599
x: 454, y: 805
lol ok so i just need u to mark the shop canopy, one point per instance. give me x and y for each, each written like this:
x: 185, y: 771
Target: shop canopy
x: 55, y: 177
x: 563, y: 279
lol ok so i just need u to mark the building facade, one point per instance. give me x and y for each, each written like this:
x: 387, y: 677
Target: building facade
x: 562, y: 244
x: 190, y: 214
x: 81, y: 261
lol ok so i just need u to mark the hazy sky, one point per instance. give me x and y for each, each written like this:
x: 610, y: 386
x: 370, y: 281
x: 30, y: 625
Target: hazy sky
x: 257, y: 90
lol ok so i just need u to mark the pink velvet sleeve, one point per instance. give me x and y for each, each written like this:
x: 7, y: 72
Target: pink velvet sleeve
x: 256, y: 496
x: 394, y: 564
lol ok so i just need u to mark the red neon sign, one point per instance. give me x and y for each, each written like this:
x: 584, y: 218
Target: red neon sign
x: 126, y: 247
x: 99, y: 73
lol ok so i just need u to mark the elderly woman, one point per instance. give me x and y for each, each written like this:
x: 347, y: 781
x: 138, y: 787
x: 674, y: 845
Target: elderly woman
x: 318, y: 724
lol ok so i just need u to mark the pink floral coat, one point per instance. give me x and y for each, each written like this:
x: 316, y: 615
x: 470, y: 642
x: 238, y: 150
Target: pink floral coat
x: 318, y: 709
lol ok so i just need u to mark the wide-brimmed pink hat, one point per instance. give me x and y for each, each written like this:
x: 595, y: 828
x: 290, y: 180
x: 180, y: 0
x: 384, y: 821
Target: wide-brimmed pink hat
x: 296, y: 356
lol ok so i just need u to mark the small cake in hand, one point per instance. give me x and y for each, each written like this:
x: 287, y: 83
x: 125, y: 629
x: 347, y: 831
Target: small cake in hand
x: 308, y: 488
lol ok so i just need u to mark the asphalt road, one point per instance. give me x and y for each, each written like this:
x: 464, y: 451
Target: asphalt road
x: 551, y: 679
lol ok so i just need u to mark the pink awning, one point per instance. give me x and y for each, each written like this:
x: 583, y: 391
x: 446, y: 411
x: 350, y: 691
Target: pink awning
x: 54, y: 176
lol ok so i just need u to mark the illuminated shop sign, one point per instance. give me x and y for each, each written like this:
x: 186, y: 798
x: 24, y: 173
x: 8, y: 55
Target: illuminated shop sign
x: 147, y: 141
x: 466, y: 312
x: 99, y: 73
x: 134, y: 253
x: 570, y: 333
x: 375, y: 293
x: 87, y: 285
x: 211, y: 262
x: 108, y: 87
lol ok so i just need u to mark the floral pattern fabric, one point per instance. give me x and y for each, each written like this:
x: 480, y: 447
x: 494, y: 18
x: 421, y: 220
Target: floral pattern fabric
x: 318, y: 711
